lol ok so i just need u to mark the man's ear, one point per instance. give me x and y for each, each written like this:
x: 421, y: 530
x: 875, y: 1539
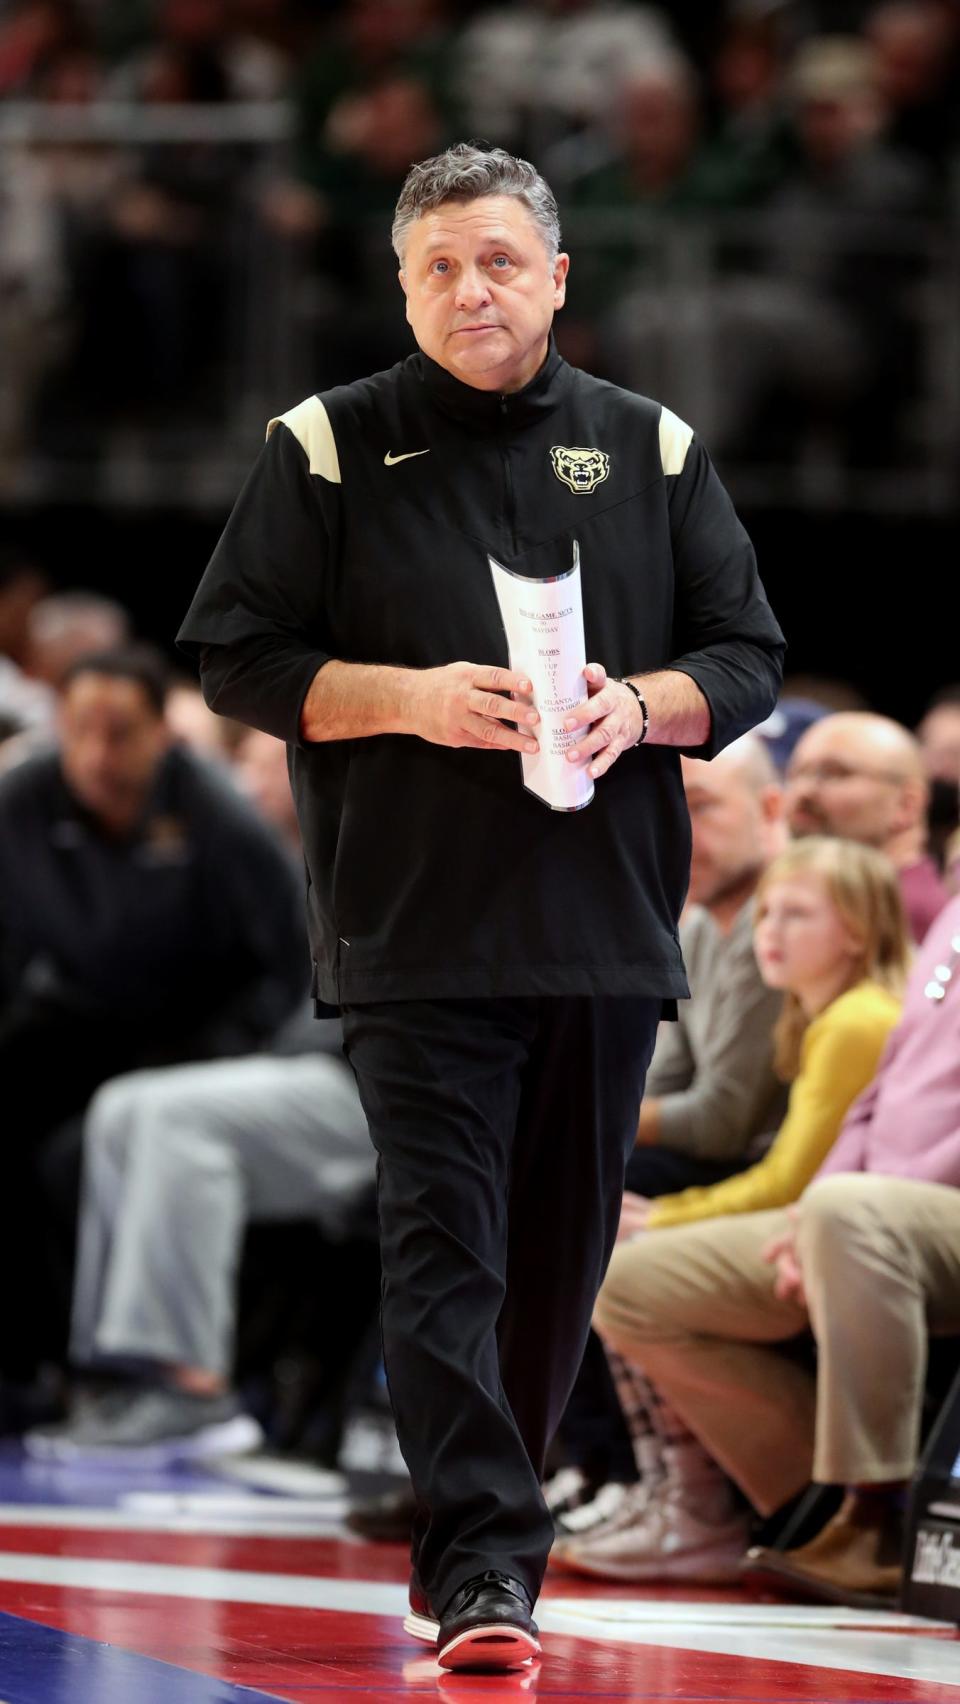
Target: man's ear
x: 561, y: 267
x: 403, y: 281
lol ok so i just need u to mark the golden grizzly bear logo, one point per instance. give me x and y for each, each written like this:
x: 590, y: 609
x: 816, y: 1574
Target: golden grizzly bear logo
x: 578, y: 468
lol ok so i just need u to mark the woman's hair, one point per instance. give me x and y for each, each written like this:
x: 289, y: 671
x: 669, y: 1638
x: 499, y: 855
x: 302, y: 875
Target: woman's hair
x: 863, y: 886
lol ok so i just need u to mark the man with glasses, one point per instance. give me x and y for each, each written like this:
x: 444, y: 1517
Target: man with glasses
x: 861, y: 777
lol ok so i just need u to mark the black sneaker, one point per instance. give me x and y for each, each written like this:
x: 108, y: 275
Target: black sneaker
x: 421, y: 1623
x: 488, y: 1625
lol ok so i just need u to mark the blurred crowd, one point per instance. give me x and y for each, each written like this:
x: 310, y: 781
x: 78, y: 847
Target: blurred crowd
x: 189, y: 1181
x: 788, y: 169
x: 764, y: 191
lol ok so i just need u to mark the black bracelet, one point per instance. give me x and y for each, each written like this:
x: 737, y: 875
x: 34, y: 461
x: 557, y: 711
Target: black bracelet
x: 638, y: 695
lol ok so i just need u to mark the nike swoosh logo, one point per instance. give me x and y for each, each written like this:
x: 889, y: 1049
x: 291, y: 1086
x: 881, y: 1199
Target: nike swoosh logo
x: 391, y: 461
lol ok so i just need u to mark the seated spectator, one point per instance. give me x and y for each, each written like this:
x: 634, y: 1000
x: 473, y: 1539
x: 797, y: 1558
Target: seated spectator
x: 67, y: 625
x: 861, y: 776
x: 146, y: 916
x: 869, y: 1259
x: 831, y: 934
x: 939, y: 736
x: 215, y: 738
x: 712, y: 1097
x: 917, y: 49
x: 176, y: 1163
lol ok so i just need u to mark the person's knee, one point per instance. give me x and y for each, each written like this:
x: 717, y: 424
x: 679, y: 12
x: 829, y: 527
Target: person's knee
x: 836, y: 1216
x: 620, y: 1313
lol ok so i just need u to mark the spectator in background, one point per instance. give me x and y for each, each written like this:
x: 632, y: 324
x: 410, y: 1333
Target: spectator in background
x: 831, y: 933
x: 939, y: 736
x: 712, y: 1099
x: 193, y: 725
x: 26, y: 705
x: 146, y: 915
x: 861, y: 777
x: 68, y: 625
x: 204, y: 44
x: 261, y: 772
x: 871, y: 1258
x: 917, y: 49
x: 177, y: 1163
x: 532, y: 75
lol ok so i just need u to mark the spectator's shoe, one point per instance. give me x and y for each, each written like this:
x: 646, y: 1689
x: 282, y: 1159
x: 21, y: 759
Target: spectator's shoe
x: 568, y: 1489
x: 387, y: 1519
x: 855, y: 1560
x: 151, y: 1428
x: 662, y: 1539
x: 43, y: 1442
x: 420, y: 1623
x: 488, y: 1625
x: 610, y: 1504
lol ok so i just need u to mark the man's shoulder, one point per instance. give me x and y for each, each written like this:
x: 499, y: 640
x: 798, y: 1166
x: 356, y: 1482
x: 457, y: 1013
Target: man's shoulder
x: 321, y: 423
x: 631, y: 413
x: 31, y: 780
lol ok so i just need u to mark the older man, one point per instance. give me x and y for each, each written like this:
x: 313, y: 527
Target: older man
x: 862, y: 776
x: 501, y: 967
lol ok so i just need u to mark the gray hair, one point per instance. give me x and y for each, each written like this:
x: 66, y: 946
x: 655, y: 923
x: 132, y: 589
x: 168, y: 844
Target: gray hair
x: 465, y: 173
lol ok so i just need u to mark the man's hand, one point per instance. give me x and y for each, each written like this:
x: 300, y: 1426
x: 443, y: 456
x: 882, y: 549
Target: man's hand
x: 466, y: 704
x: 613, y: 716
x: 781, y: 1252
x: 633, y: 1216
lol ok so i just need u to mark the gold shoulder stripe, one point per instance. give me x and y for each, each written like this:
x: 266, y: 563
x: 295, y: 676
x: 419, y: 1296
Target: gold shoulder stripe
x: 310, y: 424
x: 675, y: 437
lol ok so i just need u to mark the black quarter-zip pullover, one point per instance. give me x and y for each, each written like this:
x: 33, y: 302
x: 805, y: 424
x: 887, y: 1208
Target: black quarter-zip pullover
x: 362, y: 533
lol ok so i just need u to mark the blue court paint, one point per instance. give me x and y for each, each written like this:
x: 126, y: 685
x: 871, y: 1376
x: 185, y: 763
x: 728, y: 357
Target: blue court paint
x: 90, y: 1484
x: 39, y: 1665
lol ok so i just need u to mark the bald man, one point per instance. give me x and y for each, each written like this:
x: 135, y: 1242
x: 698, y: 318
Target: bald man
x: 862, y: 777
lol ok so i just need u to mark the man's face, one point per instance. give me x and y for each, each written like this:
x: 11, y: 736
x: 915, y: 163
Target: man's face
x: 482, y: 291
x: 729, y: 824
x: 840, y: 782
x: 112, y: 739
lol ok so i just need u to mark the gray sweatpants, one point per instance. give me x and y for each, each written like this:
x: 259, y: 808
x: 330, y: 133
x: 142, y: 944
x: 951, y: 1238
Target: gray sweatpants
x: 176, y: 1162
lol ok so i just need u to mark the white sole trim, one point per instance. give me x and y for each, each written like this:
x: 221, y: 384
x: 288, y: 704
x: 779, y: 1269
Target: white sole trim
x: 495, y: 1645
x: 421, y: 1627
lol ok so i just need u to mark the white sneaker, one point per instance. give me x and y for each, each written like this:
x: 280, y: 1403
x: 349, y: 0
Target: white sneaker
x: 665, y: 1540
x: 589, y: 1517
x: 566, y: 1490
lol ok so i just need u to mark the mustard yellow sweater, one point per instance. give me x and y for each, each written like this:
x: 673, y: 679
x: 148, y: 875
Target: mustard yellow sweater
x: 839, y: 1055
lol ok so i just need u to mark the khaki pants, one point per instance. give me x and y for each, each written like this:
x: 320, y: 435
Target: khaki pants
x: 694, y: 1306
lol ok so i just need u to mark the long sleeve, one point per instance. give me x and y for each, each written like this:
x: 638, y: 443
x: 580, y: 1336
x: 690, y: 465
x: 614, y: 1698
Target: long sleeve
x: 840, y: 1054
x: 725, y: 634
x: 257, y: 623
x: 718, y: 1112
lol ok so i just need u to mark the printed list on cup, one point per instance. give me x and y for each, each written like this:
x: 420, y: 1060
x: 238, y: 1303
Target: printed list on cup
x: 543, y: 621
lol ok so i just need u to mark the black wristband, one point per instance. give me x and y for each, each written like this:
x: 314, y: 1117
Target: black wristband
x: 638, y: 695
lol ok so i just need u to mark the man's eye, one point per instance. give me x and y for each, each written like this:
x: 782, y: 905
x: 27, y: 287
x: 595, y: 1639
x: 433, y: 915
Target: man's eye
x: 501, y: 260
x: 441, y: 266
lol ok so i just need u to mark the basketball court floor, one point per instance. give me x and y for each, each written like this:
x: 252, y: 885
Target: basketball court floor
x: 242, y: 1586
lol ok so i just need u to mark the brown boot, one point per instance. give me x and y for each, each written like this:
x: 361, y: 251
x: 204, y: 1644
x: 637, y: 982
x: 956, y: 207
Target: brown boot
x: 855, y: 1560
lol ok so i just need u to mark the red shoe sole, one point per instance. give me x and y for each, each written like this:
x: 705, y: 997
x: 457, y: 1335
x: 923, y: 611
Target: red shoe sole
x: 495, y: 1646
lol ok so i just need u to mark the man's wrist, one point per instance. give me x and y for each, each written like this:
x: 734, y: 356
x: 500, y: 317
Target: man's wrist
x: 632, y: 687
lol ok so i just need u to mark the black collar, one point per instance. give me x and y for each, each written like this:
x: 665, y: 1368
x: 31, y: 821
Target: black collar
x: 472, y: 407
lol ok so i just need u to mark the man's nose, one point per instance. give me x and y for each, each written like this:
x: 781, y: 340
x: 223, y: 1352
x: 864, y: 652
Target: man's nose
x: 473, y: 291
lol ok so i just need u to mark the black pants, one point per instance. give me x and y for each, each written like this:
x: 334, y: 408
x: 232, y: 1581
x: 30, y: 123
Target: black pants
x: 502, y: 1129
